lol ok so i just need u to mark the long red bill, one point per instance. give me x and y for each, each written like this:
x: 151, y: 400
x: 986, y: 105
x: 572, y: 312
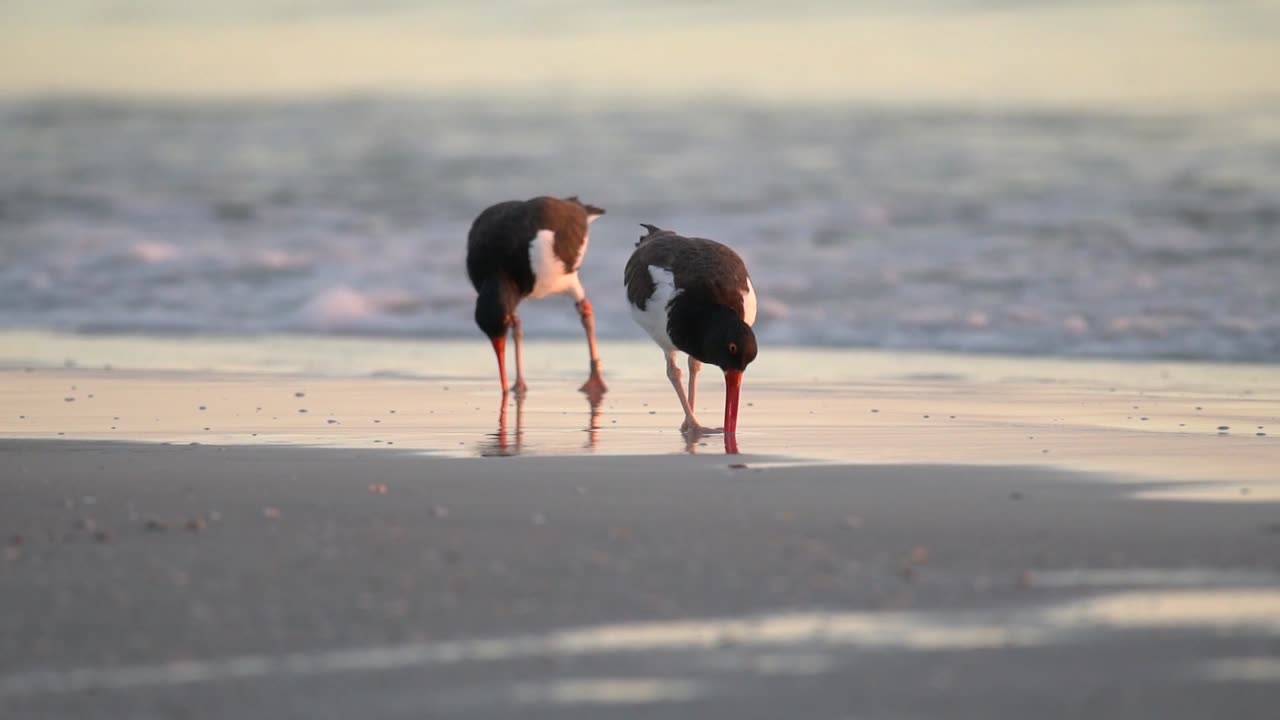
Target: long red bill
x: 732, y: 388
x: 500, y: 349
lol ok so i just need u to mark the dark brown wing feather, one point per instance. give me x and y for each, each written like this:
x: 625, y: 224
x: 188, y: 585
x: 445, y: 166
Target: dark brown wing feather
x: 568, y: 220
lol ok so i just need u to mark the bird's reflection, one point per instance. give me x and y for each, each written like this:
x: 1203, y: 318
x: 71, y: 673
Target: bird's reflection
x: 508, y: 439
x: 596, y: 401
x: 731, y: 444
x: 694, y: 442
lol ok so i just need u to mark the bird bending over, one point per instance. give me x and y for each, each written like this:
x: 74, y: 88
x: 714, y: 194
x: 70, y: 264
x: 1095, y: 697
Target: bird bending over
x: 530, y: 249
x: 694, y: 295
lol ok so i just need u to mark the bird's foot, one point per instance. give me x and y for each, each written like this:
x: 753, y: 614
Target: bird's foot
x: 693, y: 429
x: 594, y: 387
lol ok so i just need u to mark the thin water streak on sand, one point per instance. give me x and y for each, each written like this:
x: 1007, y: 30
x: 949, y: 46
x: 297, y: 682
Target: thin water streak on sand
x: 1219, y: 610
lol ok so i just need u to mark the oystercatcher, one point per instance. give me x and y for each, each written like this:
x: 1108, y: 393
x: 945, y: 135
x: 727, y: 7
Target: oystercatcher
x: 530, y: 249
x: 694, y: 295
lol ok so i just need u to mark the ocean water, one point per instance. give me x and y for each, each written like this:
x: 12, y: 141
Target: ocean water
x: 1047, y: 233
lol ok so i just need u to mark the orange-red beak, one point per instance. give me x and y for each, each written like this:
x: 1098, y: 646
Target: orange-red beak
x: 500, y: 349
x: 732, y: 388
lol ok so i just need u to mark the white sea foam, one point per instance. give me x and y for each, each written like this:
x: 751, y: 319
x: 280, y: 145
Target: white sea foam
x: 153, y: 252
x: 340, y: 307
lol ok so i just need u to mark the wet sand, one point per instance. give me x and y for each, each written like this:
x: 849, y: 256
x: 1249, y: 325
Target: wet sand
x: 192, y: 544
x: 1214, y: 429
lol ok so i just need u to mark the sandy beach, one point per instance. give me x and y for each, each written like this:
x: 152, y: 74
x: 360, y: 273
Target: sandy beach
x: 1009, y: 449
x: 295, y: 526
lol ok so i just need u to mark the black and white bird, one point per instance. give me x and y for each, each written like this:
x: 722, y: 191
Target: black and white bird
x: 530, y: 249
x: 694, y: 296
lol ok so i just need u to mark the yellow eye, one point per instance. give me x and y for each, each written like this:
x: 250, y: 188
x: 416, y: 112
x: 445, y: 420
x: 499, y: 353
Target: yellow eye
x: 733, y: 348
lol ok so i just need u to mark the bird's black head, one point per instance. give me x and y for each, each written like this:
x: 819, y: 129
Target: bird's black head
x: 494, y: 306
x: 728, y: 343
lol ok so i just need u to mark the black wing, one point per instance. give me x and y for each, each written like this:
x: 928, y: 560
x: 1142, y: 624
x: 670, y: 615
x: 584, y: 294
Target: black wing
x: 699, y: 267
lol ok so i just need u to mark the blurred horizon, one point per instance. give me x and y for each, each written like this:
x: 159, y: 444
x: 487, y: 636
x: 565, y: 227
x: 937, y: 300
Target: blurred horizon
x: 980, y: 175
x: 1126, y: 54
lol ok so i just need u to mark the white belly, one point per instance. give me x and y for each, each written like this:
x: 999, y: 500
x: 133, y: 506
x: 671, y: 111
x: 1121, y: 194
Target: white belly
x: 653, y: 318
x: 749, y: 304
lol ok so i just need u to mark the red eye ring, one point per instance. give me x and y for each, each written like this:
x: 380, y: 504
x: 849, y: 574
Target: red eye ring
x: 733, y: 348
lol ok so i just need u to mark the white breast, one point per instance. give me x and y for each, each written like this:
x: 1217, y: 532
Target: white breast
x: 749, y: 304
x: 653, y: 318
x: 550, y: 277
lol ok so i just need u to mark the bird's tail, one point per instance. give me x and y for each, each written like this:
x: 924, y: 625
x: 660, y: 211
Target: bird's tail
x: 653, y: 230
x: 592, y: 210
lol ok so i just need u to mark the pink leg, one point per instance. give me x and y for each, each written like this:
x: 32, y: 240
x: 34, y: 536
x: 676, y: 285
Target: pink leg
x: 594, y: 386
x: 690, y: 422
